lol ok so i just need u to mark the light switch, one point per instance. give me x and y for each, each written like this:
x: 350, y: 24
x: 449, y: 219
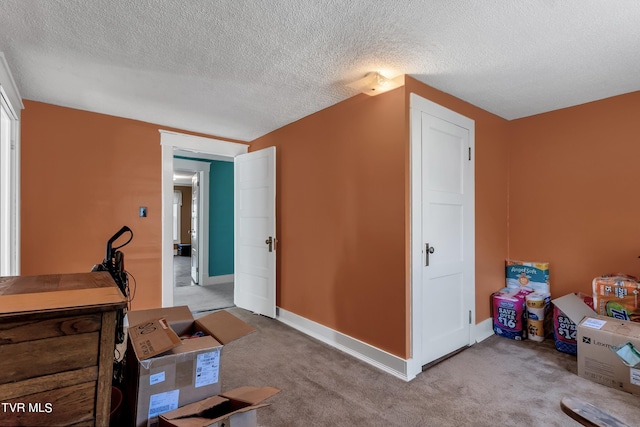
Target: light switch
x: 143, y: 211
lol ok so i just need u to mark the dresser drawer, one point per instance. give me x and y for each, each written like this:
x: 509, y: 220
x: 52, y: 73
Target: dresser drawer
x: 31, y: 359
x: 35, y: 329
x: 58, y: 407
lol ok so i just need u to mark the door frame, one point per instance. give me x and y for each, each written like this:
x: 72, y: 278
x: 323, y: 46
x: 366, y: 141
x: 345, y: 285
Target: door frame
x: 203, y: 168
x: 417, y: 106
x: 171, y: 141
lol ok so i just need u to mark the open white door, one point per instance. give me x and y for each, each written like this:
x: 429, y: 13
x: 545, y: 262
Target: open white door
x: 195, y: 228
x: 255, y: 231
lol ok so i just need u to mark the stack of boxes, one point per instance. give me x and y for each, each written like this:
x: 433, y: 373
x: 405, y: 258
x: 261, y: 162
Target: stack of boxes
x: 522, y: 309
x: 603, y: 330
x: 173, y: 360
x: 614, y: 295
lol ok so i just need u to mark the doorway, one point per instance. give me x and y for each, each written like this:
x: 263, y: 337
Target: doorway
x: 442, y: 232
x: 203, y: 263
x: 191, y: 178
x: 194, y: 148
x: 183, y: 226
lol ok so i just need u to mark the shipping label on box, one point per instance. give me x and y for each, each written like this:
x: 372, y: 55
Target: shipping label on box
x: 207, y: 368
x: 609, y: 352
x: 163, y: 402
x: 182, y: 375
x: 635, y: 376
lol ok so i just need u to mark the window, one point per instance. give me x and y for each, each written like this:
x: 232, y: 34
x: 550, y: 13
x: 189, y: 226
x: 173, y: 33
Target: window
x: 10, y: 106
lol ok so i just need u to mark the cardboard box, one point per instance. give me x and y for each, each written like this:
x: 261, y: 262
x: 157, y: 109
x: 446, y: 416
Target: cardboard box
x: 568, y: 311
x: 174, y: 360
x: 236, y: 408
x: 609, y: 352
x: 180, y: 318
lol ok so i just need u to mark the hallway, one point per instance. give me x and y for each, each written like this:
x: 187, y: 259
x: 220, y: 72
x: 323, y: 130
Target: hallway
x: 198, y: 298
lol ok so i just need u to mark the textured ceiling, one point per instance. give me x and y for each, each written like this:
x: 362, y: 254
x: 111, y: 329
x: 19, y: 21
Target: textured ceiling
x: 240, y: 69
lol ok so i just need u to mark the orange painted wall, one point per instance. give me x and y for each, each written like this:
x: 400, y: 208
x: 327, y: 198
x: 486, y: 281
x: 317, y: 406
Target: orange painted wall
x: 341, y: 218
x: 574, y: 191
x: 492, y: 142
x: 343, y: 206
x: 83, y: 176
x: 557, y: 187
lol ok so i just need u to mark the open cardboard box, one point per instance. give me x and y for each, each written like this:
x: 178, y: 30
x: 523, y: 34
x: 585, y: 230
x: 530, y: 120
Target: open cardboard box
x: 608, y: 348
x: 236, y: 408
x: 164, y: 371
x: 568, y: 311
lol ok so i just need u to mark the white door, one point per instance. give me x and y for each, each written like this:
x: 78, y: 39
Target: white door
x: 446, y: 238
x: 195, y: 206
x: 255, y: 231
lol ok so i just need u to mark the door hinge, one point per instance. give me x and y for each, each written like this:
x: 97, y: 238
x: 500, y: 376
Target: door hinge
x: 469, y: 153
x: 469, y: 316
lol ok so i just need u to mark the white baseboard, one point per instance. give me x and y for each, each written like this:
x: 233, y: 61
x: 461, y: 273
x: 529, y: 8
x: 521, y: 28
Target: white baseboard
x: 380, y: 359
x: 484, y: 329
x: 216, y: 280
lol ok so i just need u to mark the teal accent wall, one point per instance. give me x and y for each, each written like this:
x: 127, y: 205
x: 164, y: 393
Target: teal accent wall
x: 221, y: 219
x: 220, y: 216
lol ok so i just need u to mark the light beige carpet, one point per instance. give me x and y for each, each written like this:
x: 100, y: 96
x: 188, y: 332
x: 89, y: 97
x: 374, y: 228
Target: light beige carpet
x: 497, y: 382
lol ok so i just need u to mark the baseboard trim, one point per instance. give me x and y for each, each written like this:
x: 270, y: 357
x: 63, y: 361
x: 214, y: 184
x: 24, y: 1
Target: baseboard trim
x: 484, y: 329
x: 216, y: 280
x: 380, y: 359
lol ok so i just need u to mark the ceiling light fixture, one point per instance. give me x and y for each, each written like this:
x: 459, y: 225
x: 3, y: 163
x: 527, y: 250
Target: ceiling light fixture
x: 374, y: 83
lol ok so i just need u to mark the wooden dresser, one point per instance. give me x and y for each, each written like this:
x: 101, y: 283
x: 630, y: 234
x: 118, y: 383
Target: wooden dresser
x: 57, y: 337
